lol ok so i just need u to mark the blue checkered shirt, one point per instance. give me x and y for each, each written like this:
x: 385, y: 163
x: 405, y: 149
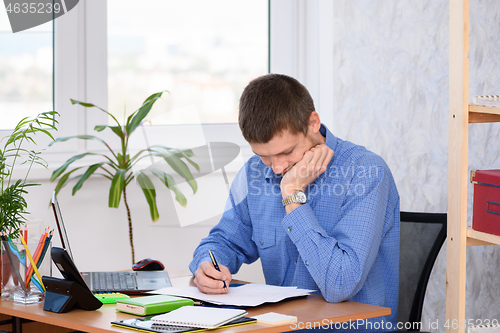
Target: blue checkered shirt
x: 344, y: 242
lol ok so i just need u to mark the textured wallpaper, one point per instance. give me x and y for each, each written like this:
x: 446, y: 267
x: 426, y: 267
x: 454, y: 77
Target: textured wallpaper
x: 391, y: 95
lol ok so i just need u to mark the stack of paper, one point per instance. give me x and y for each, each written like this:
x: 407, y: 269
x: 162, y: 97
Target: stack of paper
x: 484, y: 329
x: 246, y: 295
x: 487, y: 100
x: 273, y: 318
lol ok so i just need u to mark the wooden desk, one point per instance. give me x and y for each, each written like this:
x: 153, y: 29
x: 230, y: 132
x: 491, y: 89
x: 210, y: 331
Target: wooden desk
x: 313, y: 310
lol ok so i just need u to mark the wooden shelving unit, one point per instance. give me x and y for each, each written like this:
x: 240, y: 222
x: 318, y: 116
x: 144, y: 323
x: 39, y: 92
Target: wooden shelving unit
x: 481, y: 238
x: 483, y: 114
x: 461, y: 114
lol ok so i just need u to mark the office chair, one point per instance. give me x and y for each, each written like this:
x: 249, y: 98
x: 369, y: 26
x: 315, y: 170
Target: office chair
x: 421, y: 238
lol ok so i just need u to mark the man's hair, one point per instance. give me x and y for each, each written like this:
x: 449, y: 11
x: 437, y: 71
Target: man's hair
x: 272, y: 103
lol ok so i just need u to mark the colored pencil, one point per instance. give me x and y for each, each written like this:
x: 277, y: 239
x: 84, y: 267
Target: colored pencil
x: 36, y: 256
x: 32, y: 261
x: 42, y: 253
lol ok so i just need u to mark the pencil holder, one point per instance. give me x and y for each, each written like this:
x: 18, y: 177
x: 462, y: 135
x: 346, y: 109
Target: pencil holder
x: 21, y: 283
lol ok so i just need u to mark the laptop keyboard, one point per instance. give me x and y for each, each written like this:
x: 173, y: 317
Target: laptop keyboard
x: 113, y: 281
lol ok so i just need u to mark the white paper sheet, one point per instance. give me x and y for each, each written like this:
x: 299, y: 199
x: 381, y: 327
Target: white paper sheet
x: 245, y: 295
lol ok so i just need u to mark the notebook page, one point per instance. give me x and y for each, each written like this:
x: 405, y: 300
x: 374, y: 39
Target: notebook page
x: 199, y: 316
x: 246, y: 295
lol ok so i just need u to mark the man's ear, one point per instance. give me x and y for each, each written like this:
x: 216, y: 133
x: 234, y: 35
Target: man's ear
x: 314, y: 122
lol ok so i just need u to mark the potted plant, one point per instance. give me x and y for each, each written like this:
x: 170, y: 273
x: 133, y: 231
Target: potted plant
x: 13, y: 205
x: 117, y: 165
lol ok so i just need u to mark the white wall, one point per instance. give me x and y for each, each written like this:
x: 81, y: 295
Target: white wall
x: 391, y: 95
x: 99, y: 235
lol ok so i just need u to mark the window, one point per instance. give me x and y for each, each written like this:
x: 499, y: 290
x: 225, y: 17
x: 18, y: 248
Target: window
x: 203, y: 52
x: 26, y: 66
x: 86, y: 57
x: 104, y: 59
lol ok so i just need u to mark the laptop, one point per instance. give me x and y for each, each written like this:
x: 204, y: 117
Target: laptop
x: 129, y: 282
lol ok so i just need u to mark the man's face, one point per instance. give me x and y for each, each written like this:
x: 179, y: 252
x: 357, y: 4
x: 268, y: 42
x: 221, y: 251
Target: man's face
x: 283, y: 151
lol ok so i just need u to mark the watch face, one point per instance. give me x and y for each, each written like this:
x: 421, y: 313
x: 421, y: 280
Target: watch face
x: 301, y: 197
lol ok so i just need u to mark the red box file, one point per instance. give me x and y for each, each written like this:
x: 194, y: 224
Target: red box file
x: 486, y: 204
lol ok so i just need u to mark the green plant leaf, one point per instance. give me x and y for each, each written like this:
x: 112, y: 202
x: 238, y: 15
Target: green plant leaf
x: 123, y: 161
x: 14, y: 207
x: 87, y: 105
x: 24, y: 130
x: 82, y: 137
x: 187, y: 152
x: 137, y: 156
x: 90, y: 105
x: 192, y: 162
x: 149, y: 192
x: 66, y: 164
x: 86, y: 137
x: 47, y: 133
x: 169, y: 182
x: 64, y: 180
x: 171, y: 157
x: 90, y: 170
x: 116, y: 129
x: 143, y: 111
x: 100, y: 128
x: 116, y: 189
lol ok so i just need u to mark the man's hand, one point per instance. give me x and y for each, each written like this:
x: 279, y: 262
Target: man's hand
x: 306, y: 171
x: 209, y: 280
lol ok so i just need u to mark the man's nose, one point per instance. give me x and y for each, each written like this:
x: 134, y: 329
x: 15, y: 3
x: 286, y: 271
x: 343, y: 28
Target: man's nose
x: 278, y: 164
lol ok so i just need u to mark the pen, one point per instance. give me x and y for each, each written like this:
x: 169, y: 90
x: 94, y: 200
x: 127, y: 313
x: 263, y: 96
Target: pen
x: 216, y: 267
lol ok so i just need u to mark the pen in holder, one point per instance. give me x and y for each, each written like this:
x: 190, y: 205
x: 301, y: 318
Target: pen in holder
x: 21, y: 281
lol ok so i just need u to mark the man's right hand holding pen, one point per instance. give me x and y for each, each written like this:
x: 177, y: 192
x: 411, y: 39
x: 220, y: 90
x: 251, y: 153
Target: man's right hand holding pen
x: 209, y: 280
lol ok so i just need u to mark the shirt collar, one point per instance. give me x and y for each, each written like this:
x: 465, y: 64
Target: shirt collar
x: 331, y: 142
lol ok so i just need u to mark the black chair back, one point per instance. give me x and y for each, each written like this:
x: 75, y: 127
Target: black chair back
x: 422, y: 236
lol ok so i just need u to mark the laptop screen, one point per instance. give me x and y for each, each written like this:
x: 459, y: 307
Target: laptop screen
x: 60, y: 225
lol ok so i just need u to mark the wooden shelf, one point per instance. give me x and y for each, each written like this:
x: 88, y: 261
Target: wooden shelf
x: 459, y: 236
x: 475, y: 238
x: 483, y: 114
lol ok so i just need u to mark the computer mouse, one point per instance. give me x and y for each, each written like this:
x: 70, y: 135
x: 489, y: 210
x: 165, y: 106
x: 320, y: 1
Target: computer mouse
x: 148, y: 264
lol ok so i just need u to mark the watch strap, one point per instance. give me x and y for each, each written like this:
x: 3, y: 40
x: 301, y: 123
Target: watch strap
x: 292, y: 198
x: 289, y: 199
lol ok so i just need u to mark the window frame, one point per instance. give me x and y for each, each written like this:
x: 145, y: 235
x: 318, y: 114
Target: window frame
x: 88, y: 80
x: 300, y: 43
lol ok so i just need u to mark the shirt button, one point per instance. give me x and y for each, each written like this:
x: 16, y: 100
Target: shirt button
x: 261, y: 242
x: 295, y: 262
x: 306, y: 262
x: 289, y: 229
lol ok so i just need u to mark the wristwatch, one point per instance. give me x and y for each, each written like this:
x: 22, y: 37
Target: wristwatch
x: 296, y: 197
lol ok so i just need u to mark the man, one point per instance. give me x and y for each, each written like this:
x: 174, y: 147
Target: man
x: 320, y: 212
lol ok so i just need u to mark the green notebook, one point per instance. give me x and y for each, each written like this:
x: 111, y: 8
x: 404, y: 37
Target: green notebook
x: 149, y: 305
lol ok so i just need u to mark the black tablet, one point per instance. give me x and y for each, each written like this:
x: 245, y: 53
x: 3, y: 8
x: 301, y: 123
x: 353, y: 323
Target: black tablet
x: 67, y: 267
x: 63, y: 294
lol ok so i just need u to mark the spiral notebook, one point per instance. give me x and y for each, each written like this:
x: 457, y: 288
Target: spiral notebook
x: 199, y: 316
x: 144, y: 324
